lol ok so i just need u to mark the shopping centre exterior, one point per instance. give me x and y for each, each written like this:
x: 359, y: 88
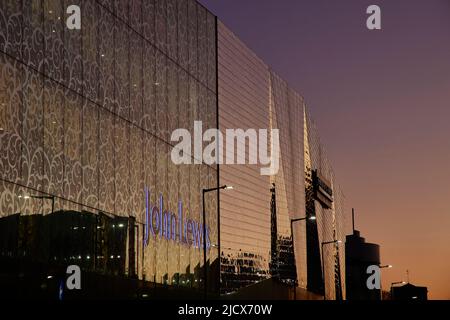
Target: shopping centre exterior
x: 86, y: 175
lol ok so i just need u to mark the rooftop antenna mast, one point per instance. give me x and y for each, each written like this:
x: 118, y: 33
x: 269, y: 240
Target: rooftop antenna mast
x: 353, y: 219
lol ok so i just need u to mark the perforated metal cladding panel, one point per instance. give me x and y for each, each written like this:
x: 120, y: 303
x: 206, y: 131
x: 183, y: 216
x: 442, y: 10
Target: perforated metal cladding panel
x: 252, y: 97
x: 341, y: 225
x: 86, y: 115
x: 244, y: 211
x: 287, y: 116
x: 330, y: 222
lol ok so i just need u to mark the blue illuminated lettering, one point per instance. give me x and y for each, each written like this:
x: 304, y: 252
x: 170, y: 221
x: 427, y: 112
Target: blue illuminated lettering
x: 170, y: 226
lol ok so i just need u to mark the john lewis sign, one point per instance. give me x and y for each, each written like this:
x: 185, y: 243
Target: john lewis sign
x: 172, y: 226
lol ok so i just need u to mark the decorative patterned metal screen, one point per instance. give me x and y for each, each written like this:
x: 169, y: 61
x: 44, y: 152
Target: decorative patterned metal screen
x: 86, y: 118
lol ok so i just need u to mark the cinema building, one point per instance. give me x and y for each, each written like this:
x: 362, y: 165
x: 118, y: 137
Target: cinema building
x: 86, y: 176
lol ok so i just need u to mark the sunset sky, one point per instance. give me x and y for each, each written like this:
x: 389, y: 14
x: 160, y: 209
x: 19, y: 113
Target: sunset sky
x: 381, y: 101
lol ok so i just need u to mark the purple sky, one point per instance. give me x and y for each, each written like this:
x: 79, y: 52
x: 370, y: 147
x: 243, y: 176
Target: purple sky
x: 381, y: 101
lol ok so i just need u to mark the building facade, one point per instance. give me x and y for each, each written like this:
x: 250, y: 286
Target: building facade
x: 255, y: 220
x: 86, y: 120
x: 86, y: 176
x: 359, y: 255
x: 410, y: 292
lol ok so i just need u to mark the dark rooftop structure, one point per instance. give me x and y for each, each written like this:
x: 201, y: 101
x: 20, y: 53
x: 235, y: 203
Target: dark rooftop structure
x: 409, y: 292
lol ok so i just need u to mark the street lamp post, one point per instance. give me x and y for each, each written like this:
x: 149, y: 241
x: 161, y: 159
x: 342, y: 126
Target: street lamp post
x: 323, y: 263
x: 204, y: 191
x: 293, y: 248
x: 381, y: 285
